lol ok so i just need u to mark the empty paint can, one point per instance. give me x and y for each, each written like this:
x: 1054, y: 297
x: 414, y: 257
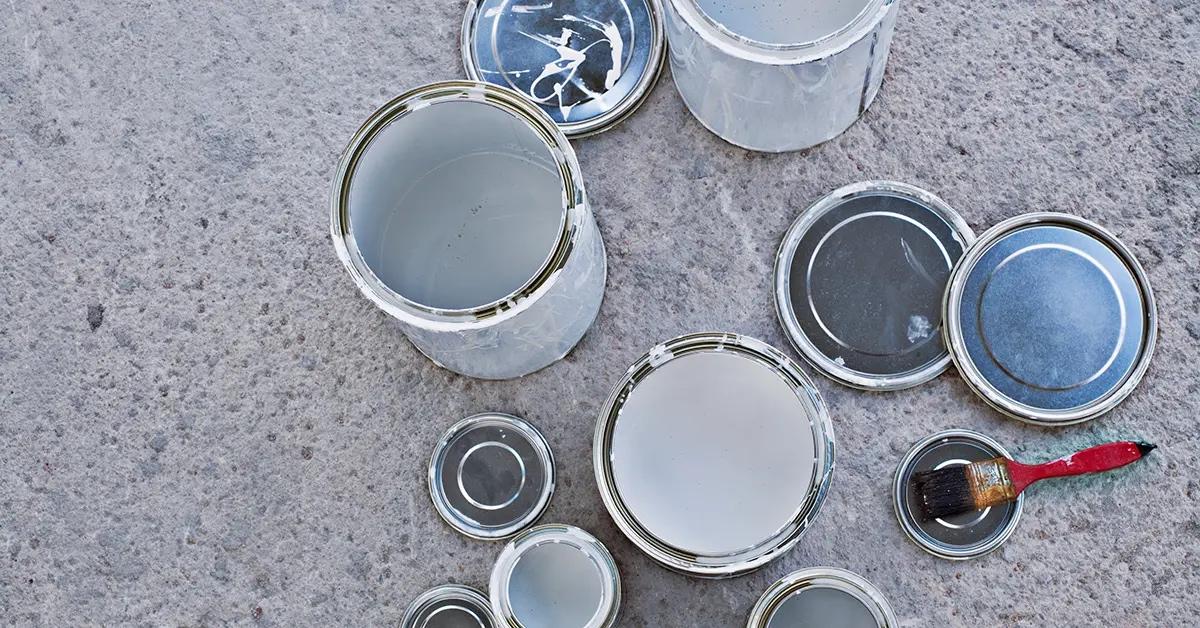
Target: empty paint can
x: 713, y: 454
x: 450, y: 606
x: 555, y: 576
x: 825, y: 597
x: 962, y: 536
x: 1050, y: 319
x: 459, y: 209
x: 859, y: 282
x: 778, y: 76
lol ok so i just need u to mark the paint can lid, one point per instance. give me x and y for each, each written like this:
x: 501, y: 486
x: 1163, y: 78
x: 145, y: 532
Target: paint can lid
x: 556, y: 576
x: 822, y: 596
x: 1050, y: 319
x: 587, y: 63
x: 491, y: 476
x: 859, y: 280
x: 449, y: 606
x: 714, y: 454
x: 968, y: 535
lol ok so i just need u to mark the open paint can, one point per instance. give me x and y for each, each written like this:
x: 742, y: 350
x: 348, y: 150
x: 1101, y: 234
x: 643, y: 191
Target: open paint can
x: 459, y: 209
x: 450, y: 606
x: 824, y: 597
x: 714, y: 454
x: 555, y: 576
x: 859, y: 281
x: 1050, y: 319
x: 962, y: 536
x: 781, y: 75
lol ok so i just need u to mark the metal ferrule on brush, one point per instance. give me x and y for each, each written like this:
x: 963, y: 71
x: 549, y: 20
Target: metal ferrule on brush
x: 990, y: 483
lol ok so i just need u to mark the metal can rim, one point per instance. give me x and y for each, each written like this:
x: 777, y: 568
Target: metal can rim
x: 599, y: 124
x: 555, y: 533
x: 787, y: 315
x: 742, y: 47
x: 575, y: 207
x: 447, y: 592
x: 752, y: 558
x: 952, y: 326
x: 899, y: 491
x: 829, y: 577
x: 539, y: 444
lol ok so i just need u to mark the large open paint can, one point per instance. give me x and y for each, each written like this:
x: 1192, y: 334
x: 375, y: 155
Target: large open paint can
x: 459, y: 209
x: 778, y: 76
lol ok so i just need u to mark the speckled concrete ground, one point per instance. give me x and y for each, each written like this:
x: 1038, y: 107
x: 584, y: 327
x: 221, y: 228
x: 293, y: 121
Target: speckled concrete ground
x: 203, y: 423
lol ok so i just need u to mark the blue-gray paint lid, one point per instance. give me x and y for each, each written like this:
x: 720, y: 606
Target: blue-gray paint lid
x: 1050, y: 319
x: 587, y: 63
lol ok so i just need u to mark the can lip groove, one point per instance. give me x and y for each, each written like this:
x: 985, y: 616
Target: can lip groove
x: 823, y: 577
x: 574, y: 209
x: 955, y: 342
x: 749, y: 559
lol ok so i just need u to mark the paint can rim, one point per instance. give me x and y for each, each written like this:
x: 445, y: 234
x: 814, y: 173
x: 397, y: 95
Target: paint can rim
x: 448, y: 593
x: 822, y: 577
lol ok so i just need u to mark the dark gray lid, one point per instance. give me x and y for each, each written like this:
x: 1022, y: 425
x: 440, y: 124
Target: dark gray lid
x: 587, y: 63
x: 859, y: 280
x: 1050, y: 319
x: 491, y: 476
x: 449, y: 606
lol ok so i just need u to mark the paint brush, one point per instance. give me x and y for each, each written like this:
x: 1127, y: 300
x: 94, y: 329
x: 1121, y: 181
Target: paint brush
x: 979, y: 485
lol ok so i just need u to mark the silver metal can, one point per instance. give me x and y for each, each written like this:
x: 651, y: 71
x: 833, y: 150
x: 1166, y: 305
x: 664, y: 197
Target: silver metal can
x: 779, y: 76
x: 822, y: 596
x: 459, y: 209
x: 450, y: 605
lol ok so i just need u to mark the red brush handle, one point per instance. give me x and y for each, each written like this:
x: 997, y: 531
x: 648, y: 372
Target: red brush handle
x: 1099, y: 458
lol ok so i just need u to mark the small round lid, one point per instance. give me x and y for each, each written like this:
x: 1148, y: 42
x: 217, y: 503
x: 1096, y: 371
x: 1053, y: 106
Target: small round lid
x: 556, y: 576
x: 450, y: 606
x: 859, y: 280
x: 825, y: 597
x: 968, y: 535
x: 587, y: 63
x: 491, y: 476
x: 714, y: 454
x: 1050, y: 319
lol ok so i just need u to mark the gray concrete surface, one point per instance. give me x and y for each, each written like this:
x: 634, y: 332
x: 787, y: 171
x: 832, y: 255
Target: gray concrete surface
x: 203, y: 423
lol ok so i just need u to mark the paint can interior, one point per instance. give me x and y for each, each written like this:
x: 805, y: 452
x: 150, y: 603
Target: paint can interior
x: 450, y: 606
x: 713, y: 454
x: 963, y: 536
x: 825, y: 597
x: 459, y: 207
x: 778, y: 76
x: 1050, y: 319
x: 587, y: 63
x: 859, y: 282
x: 491, y: 476
x: 556, y: 576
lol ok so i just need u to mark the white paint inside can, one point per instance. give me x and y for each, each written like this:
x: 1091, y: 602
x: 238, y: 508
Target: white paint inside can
x: 556, y: 585
x: 456, y: 205
x: 825, y: 607
x: 783, y: 22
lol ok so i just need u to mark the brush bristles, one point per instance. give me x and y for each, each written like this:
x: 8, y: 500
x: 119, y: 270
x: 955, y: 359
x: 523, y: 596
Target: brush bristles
x: 943, y: 492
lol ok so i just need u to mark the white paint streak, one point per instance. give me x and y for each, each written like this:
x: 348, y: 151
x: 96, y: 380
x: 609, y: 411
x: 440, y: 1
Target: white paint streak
x: 569, y: 60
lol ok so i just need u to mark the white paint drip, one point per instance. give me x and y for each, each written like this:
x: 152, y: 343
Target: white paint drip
x: 918, y: 328
x: 569, y: 60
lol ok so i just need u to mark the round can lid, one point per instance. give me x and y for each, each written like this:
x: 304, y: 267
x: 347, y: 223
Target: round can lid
x: 859, y: 281
x: 1050, y: 319
x: 449, y: 606
x: 713, y: 454
x: 556, y: 576
x: 491, y: 476
x: 968, y: 535
x: 822, y: 596
x: 587, y: 63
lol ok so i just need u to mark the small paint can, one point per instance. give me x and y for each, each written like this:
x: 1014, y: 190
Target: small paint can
x: 459, y: 209
x: 1050, y: 319
x: 714, y: 454
x: 859, y: 282
x: 822, y: 596
x: 587, y: 63
x: 491, y: 475
x: 962, y: 536
x: 779, y: 76
x: 450, y: 606
x: 556, y: 576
